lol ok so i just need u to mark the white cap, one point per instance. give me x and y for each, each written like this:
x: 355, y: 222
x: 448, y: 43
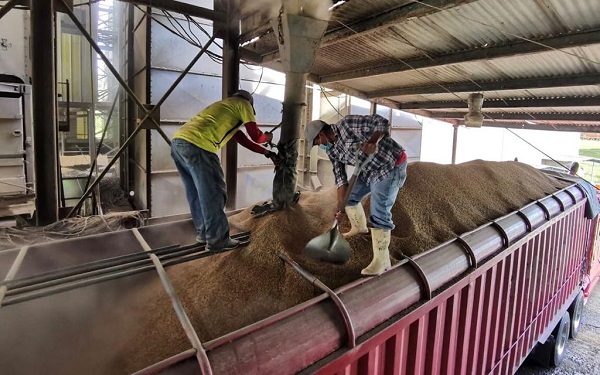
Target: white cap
x: 312, y: 130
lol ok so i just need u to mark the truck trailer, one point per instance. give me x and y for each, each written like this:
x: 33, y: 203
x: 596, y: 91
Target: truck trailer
x: 480, y: 303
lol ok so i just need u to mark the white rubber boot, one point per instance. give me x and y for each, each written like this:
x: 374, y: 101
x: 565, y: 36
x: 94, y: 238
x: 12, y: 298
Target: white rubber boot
x: 381, y: 253
x: 358, y: 220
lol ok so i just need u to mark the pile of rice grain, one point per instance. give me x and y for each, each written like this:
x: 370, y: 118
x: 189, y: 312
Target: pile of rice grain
x: 226, y: 292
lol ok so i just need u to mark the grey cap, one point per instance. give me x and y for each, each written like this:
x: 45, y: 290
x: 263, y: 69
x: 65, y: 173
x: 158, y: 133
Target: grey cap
x: 312, y: 130
x: 245, y: 94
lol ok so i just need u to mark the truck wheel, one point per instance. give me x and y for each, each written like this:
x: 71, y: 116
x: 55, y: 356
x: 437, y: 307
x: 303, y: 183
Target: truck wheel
x: 575, y: 311
x: 561, y: 337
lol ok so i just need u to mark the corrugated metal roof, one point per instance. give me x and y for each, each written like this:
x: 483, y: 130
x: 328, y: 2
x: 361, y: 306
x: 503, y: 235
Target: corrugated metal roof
x: 353, y: 10
x: 550, y: 64
x: 464, y: 30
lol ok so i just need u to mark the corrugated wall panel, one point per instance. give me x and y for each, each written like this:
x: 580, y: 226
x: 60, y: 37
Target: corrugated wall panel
x: 355, y: 11
x: 200, y: 88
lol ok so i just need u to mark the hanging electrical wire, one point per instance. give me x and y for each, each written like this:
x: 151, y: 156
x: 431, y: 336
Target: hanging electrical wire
x: 213, y: 56
x: 175, y: 31
x: 330, y: 103
x: 259, y: 80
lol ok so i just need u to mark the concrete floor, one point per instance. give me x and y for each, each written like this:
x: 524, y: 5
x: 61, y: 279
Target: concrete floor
x: 583, y: 353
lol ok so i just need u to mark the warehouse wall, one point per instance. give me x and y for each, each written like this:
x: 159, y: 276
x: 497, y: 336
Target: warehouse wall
x: 170, y: 55
x: 14, y: 45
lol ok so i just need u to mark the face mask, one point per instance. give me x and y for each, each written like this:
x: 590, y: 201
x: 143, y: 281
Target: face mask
x: 326, y: 147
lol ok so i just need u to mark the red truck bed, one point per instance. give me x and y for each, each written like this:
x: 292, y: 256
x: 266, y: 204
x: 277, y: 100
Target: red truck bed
x: 476, y: 304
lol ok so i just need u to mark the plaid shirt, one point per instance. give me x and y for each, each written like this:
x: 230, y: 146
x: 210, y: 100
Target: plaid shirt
x: 354, y: 130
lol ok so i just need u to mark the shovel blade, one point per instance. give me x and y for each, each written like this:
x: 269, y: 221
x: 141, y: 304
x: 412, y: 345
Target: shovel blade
x: 330, y: 247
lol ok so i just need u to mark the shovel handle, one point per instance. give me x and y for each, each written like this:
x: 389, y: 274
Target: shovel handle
x: 352, y: 181
x: 357, y: 171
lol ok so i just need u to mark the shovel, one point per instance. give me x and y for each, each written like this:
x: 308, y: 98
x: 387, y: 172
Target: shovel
x: 331, y: 246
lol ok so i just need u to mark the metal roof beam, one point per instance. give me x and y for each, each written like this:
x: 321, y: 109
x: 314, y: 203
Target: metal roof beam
x: 523, y: 47
x: 548, y: 117
x: 573, y: 101
x: 182, y: 8
x: 511, y: 84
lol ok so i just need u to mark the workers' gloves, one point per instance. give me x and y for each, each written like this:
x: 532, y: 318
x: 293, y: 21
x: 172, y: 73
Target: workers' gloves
x: 274, y: 157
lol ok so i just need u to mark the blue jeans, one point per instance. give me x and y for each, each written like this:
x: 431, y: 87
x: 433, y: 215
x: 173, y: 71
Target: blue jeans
x: 205, y: 189
x: 383, y: 196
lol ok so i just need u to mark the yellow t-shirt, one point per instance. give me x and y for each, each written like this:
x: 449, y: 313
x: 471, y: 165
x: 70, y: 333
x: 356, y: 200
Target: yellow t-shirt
x: 212, y: 128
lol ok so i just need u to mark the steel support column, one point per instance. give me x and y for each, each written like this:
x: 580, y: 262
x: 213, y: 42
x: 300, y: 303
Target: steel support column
x: 454, y: 143
x: 230, y: 81
x: 44, y: 110
x: 373, y: 108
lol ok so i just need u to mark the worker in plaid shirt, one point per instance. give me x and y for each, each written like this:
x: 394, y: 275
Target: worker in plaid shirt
x: 382, y: 177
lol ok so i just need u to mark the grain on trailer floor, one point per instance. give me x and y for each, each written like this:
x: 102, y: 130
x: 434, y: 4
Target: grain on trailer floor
x: 226, y: 292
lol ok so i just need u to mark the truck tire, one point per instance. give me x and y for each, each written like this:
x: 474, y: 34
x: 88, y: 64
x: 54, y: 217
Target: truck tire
x: 575, y: 311
x: 561, y: 337
x: 552, y: 352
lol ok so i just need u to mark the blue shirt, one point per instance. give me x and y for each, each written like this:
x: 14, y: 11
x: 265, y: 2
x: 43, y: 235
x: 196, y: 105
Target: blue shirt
x: 354, y: 130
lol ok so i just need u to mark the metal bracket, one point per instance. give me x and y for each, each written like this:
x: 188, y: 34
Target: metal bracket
x: 336, y: 299
x: 503, y: 233
x: 469, y: 251
x: 150, y: 122
x: 422, y: 277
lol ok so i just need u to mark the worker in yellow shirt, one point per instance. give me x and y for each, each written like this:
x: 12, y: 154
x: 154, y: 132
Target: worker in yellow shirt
x: 194, y: 150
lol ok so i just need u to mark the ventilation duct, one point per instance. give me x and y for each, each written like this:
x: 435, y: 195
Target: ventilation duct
x: 474, y: 119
